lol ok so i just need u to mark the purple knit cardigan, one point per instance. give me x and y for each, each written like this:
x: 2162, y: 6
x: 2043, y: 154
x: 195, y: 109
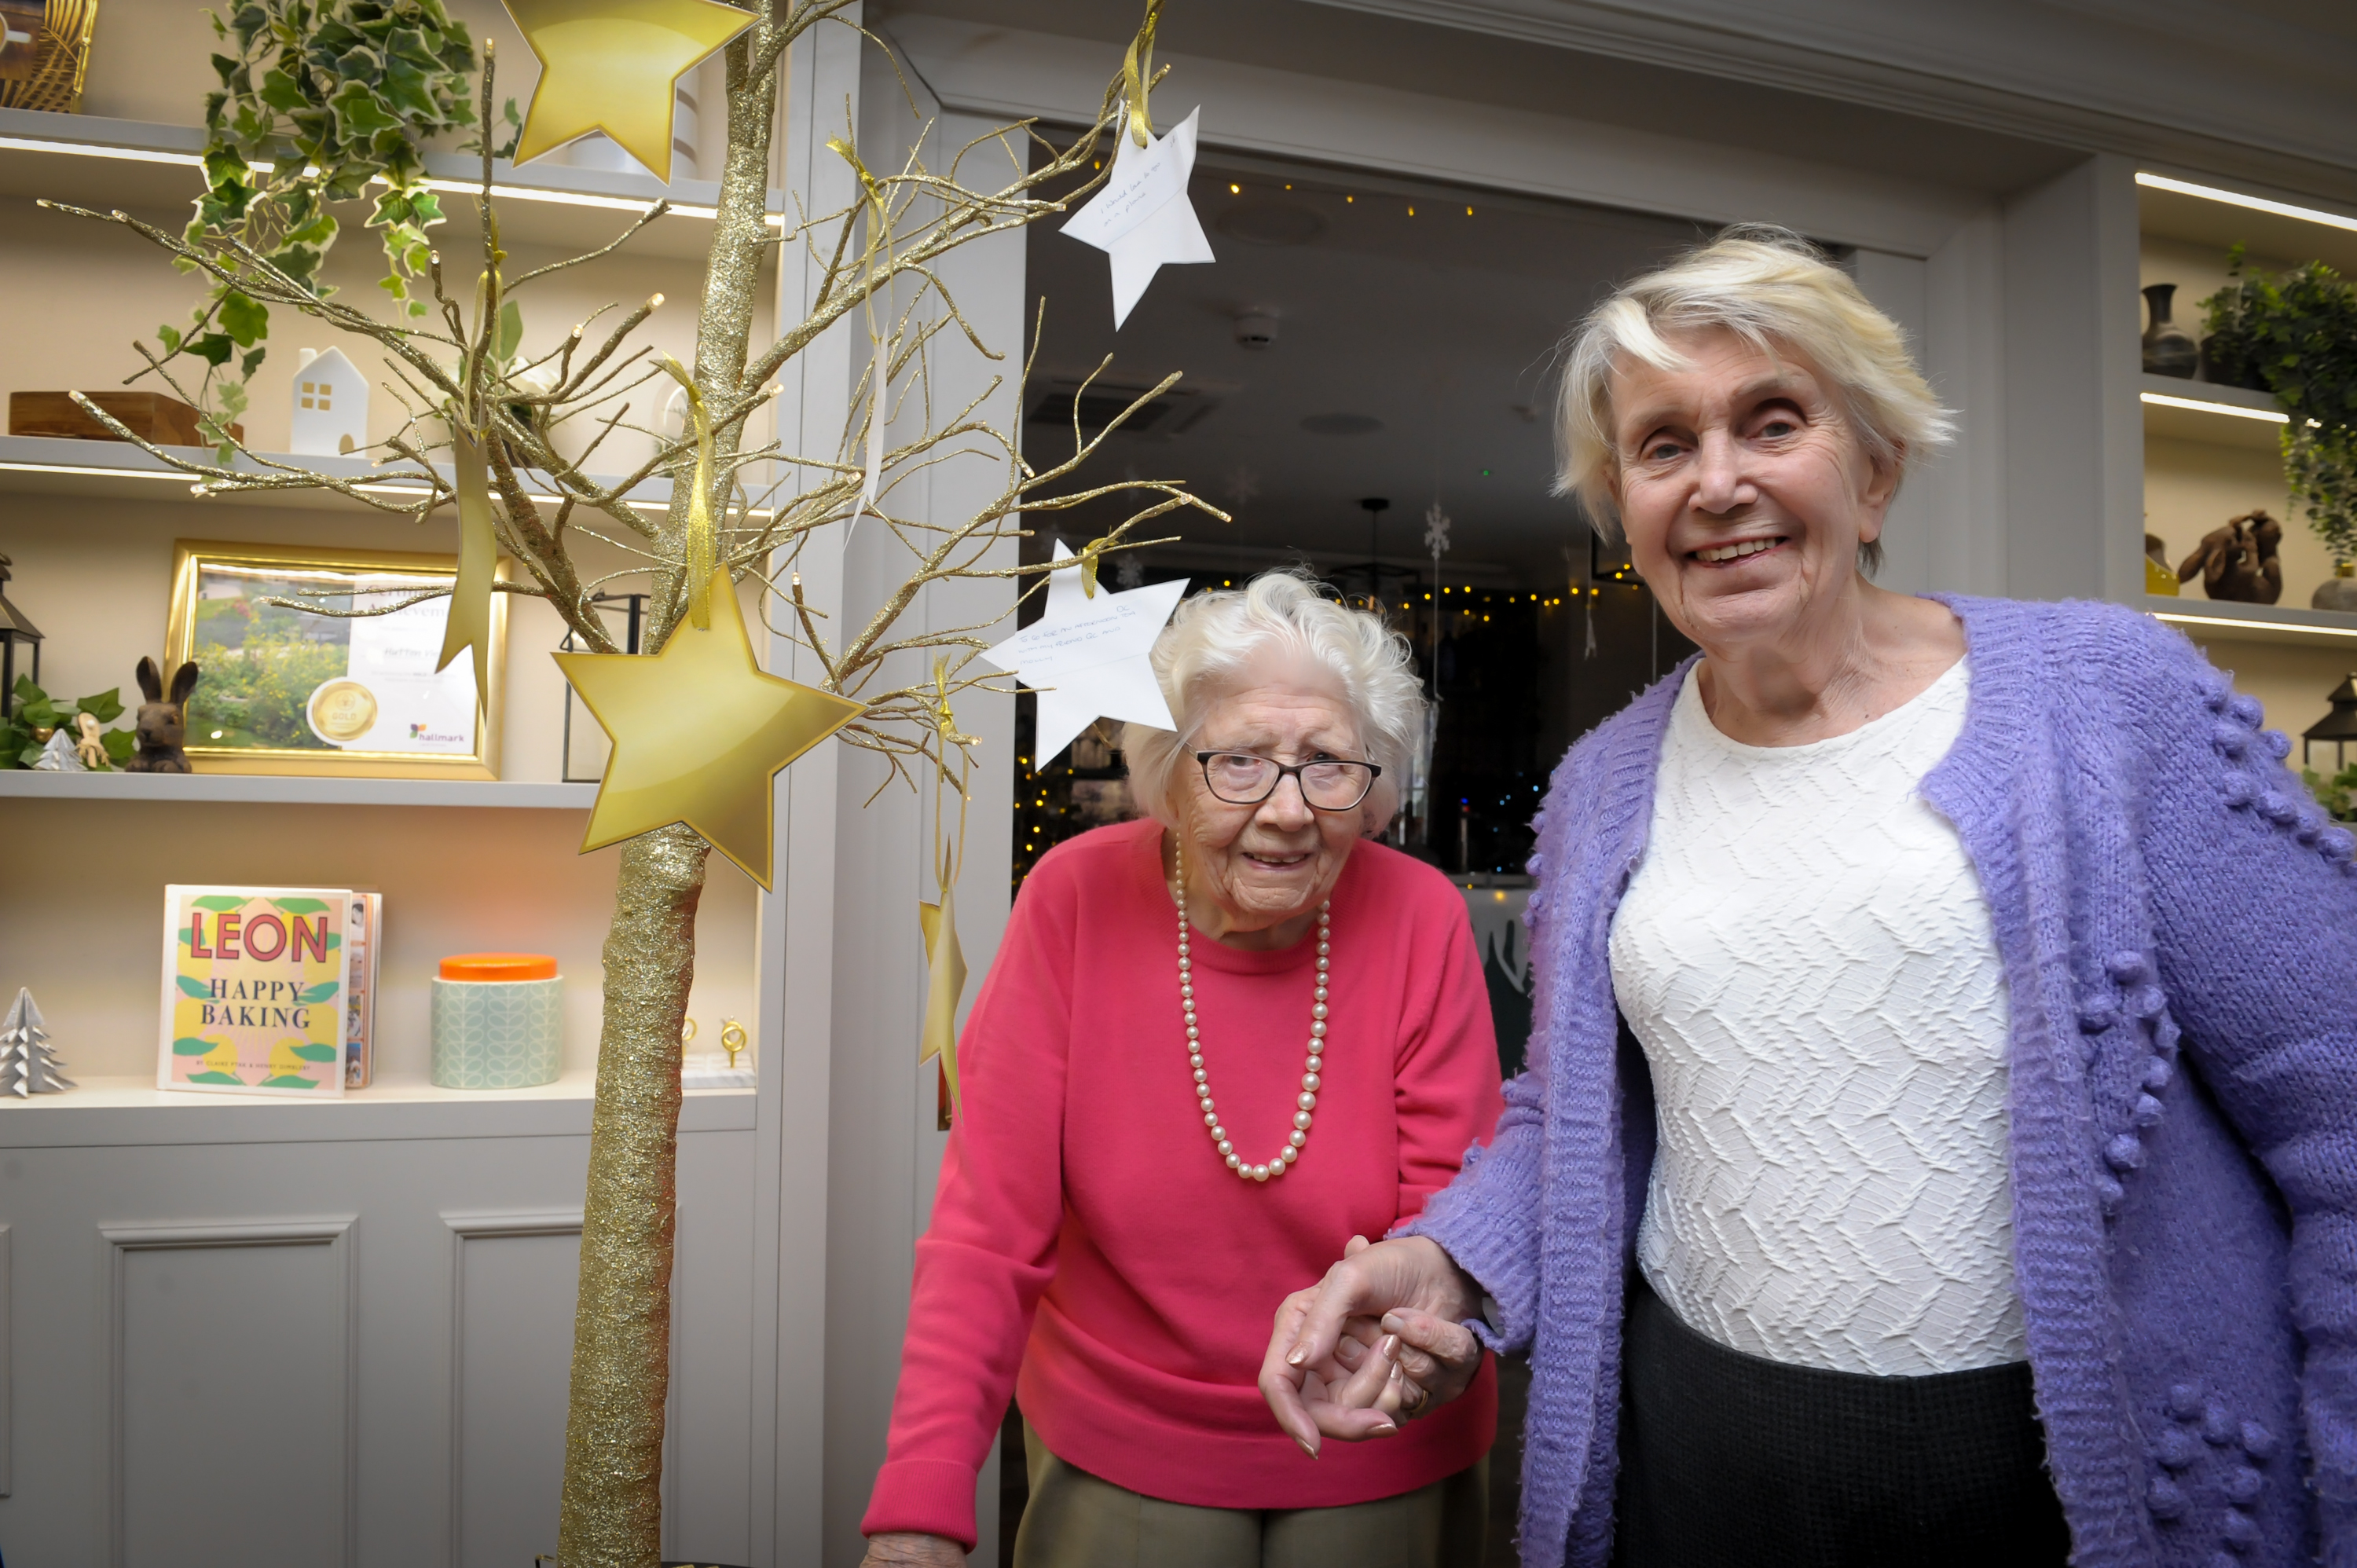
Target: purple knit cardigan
x: 2179, y: 929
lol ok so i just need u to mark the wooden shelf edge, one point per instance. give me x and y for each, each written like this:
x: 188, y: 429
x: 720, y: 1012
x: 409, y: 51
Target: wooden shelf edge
x: 242, y: 788
x: 2227, y: 402
x: 132, y: 1111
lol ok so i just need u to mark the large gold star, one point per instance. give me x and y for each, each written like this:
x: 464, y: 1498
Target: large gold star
x: 698, y: 733
x: 611, y: 65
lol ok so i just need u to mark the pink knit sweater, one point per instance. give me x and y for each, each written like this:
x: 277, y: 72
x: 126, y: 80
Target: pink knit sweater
x: 1090, y: 1251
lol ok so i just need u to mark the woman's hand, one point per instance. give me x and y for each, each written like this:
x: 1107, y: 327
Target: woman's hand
x: 1401, y: 1302
x: 897, y: 1548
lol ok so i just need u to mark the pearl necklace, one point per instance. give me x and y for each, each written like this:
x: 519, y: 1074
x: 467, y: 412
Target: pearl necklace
x: 1307, y: 1099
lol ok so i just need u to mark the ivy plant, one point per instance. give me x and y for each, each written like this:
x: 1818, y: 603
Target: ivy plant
x: 2296, y: 335
x: 318, y: 99
x: 35, y: 711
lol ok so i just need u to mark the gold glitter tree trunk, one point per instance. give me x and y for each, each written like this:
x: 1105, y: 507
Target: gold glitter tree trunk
x: 612, y: 1512
x: 621, y: 1330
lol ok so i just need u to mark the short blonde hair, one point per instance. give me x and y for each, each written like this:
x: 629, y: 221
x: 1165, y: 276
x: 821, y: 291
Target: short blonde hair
x: 1770, y: 288
x: 1214, y: 638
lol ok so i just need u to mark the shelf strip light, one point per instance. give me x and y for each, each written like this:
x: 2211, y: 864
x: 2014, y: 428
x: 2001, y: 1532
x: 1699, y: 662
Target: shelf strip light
x: 2163, y: 399
x: 453, y: 186
x: 2255, y: 203
x: 384, y: 488
x: 2215, y: 623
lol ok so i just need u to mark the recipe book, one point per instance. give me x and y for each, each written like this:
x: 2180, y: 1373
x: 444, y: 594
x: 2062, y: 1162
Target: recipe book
x: 256, y: 983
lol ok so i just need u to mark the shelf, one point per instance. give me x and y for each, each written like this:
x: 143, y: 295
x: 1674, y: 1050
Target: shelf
x: 2255, y: 623
x: 49, y: 465
x: 2201, y: 213
x: 132, y: 1110
x: 104, y: 165
x: 2184, y: 410
x: 23, y: 784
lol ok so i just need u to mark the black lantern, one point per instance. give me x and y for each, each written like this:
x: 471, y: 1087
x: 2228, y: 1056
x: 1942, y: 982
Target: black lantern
x: 16, y: 633
x: 2337, y: 730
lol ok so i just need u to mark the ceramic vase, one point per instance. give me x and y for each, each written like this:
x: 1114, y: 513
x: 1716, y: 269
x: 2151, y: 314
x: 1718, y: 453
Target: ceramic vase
x: 2338, y: 592
x: 498, y: 1034
x: 2168, y: 349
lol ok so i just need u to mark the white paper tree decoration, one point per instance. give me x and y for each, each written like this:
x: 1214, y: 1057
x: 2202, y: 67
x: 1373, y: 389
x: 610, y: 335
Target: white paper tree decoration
x: 28, y: 1063
x: 1142, y: 218
x: 1087, y: 657
x: 330, y: 404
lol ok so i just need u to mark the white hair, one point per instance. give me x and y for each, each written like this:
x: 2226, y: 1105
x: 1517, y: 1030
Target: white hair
x: 1215, y: 639
x: 1770, y: 288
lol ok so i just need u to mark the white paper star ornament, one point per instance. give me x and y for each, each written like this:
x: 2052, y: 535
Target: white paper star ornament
x: 1087, y: 657
x: 1142, y: 218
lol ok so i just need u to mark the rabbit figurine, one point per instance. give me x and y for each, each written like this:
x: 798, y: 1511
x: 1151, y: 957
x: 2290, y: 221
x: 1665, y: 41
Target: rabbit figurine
x: 163, y: 723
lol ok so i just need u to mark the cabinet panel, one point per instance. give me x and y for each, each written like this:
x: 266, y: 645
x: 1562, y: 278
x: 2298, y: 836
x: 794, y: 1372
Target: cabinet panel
x: 232, y: 1395
x: 516, y: 1283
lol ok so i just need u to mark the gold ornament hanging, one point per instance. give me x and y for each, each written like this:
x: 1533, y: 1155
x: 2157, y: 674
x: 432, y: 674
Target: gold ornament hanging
x: 470, y: 624
x: 614, y: 66
x: 698, y: 731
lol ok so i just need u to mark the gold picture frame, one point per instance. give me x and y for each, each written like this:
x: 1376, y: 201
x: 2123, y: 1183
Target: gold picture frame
x: 293, y: 691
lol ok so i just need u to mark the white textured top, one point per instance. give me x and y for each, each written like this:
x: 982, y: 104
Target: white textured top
x: 1807, y: 959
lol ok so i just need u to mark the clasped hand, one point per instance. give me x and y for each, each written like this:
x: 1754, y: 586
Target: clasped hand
x: 1379, y: 1340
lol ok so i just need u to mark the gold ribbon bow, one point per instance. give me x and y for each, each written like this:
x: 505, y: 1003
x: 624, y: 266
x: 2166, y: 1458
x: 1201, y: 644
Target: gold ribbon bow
x: 1137, y: 69
x: 701, y: 543
x: 880, y: 370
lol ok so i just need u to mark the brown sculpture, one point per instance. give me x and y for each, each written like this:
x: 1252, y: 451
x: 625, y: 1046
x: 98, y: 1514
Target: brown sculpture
x: 2239, y: 560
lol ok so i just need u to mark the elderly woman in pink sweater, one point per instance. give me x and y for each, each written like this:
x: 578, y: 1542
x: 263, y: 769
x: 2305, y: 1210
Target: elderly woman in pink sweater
x: 1217, y: 1047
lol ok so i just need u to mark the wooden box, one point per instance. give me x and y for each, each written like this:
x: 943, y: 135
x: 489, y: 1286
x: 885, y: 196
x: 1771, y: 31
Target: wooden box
x: 165, y: 420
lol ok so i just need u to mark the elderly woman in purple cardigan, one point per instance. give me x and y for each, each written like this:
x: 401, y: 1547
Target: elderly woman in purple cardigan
x: 1940, y: 1143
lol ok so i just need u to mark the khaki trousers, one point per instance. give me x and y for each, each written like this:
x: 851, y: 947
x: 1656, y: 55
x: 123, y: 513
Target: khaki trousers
x: 1076, y: 1520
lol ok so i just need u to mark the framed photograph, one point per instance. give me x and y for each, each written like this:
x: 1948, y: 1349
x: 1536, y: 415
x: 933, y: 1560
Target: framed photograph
x: 286, y: 689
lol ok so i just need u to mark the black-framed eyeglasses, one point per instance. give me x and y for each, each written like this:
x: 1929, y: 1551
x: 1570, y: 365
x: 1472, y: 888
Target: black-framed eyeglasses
x: 1327, y: 784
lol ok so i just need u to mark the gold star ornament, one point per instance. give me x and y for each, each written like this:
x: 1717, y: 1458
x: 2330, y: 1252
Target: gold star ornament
x: 698, y: 731
x: 612, y: 65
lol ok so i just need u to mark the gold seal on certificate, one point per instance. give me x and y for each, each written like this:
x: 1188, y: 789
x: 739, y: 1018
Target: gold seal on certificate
x: 342, y: 711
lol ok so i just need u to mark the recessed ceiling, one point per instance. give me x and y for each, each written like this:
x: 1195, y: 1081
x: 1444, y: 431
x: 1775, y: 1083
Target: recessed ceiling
x: 1416, y: 332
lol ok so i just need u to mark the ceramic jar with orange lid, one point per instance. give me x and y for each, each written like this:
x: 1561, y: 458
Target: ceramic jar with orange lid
x: 499, y: 1021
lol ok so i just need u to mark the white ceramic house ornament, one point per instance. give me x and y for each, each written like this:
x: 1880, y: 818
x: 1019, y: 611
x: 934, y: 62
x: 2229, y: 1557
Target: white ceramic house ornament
x: 330, y: 404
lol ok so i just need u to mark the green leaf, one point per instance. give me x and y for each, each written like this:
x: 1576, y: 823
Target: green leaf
x: 106, y: 707
x: 302, y: 906
x: 171, y: 338
x: 196, y: 988
x: 213, y: 348
x: 251, y: 363
x: 244, y: 319
x: 280, y: 91
x: 359, y: 114
x: 319, y: 1053
x: 319, y: 992
x: 218, y: 901
x: 510, y: 331
x: 120, y: 744
x: 186, y: 1047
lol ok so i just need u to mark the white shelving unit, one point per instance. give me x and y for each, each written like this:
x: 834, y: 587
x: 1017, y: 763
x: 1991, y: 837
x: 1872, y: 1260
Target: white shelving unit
x: 2213, y: 452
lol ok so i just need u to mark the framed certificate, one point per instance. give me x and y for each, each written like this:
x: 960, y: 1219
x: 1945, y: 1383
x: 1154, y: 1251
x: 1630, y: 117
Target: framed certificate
x: 289, y: 688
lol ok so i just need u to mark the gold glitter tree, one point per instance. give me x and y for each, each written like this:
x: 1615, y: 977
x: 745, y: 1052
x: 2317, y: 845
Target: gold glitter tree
x: 491, y: 412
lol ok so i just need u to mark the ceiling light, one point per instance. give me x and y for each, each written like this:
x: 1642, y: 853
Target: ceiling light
x: 2255, y: 203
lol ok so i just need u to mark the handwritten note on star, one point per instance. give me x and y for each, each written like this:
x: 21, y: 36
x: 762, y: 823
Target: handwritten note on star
x: 1088, y: 657
x: 1143, y: 219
